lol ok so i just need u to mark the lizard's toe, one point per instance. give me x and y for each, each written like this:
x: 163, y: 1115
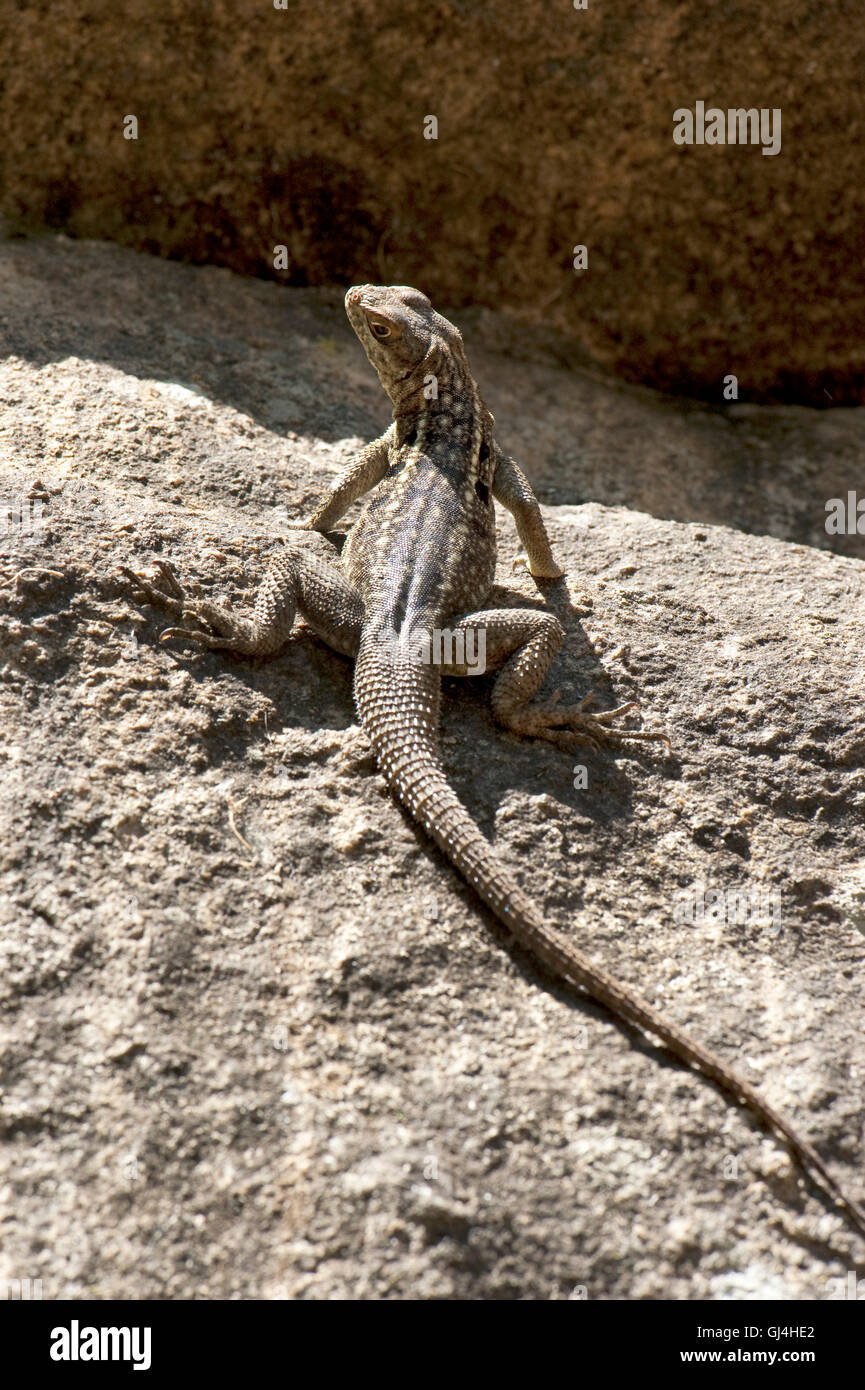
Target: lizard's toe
x: 228, y: 632
x: 187, y: 633
x: 570, y: 726
x: 145, y: 589
x: 570, y: 740
x: 170, y: 582
x: 190, y: 634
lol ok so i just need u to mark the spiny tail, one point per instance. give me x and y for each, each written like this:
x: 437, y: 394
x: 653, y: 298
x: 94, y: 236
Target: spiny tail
x: 398, y: 703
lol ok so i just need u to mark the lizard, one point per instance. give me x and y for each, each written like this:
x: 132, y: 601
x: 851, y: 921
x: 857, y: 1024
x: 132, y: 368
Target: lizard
x: 421, y: 559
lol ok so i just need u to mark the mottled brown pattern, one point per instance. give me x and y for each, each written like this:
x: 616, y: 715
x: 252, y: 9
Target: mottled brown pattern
x: 421, y: 557
x: 303, y: 127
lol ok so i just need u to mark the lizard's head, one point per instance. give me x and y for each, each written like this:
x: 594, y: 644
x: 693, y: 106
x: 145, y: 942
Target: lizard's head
x: 400, y: 331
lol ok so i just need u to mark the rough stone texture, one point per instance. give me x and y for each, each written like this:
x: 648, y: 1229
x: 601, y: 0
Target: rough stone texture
x: 303, y: 127
x: 259, y: 1040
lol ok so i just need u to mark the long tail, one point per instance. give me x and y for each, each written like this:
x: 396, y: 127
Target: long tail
x: 398, y: 702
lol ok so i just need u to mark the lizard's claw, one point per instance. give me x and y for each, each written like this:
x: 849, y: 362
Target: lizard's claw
x: 189, y: 634
x: 569, y: 726
x: 167, y: 592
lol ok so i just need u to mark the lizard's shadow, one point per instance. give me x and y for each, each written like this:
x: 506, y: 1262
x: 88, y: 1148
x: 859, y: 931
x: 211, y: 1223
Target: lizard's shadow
x: 597, y: 786
x: 595, y: 791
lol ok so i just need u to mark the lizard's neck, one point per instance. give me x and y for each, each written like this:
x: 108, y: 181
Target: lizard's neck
x: 439, y: 403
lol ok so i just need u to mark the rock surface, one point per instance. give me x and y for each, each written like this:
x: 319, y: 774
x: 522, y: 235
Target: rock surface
x: 303, y: 127
x: 259, y: 1040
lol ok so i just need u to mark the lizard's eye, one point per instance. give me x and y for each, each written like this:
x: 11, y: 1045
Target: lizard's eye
x: 381, y: 330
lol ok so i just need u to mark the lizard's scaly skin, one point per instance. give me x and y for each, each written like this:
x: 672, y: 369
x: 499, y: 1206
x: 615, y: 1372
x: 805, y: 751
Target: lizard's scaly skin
x: 421, y: 559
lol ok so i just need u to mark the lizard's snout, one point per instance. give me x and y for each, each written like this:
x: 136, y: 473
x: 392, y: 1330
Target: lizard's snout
x: 355, y: 294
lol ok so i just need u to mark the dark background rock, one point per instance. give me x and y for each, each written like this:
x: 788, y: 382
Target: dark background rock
x: 249, y: 346
x: 303, y: 127
x: 258, y: 1039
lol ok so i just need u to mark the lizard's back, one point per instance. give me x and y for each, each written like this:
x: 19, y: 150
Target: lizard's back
x: 424, y: 546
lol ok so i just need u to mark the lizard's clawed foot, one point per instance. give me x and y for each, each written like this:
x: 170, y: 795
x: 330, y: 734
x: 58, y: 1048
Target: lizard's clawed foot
x: 570, y: 727
x: 166, y: 592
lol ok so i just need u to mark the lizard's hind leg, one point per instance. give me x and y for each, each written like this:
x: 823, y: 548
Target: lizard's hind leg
x: 296, y: 581
x: 521, y: 643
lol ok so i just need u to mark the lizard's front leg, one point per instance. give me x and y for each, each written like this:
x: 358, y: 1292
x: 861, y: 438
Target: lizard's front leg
x: 295, y: 582
x: 512, y: 488
x: 522, y: 643
x: 363, y: 472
